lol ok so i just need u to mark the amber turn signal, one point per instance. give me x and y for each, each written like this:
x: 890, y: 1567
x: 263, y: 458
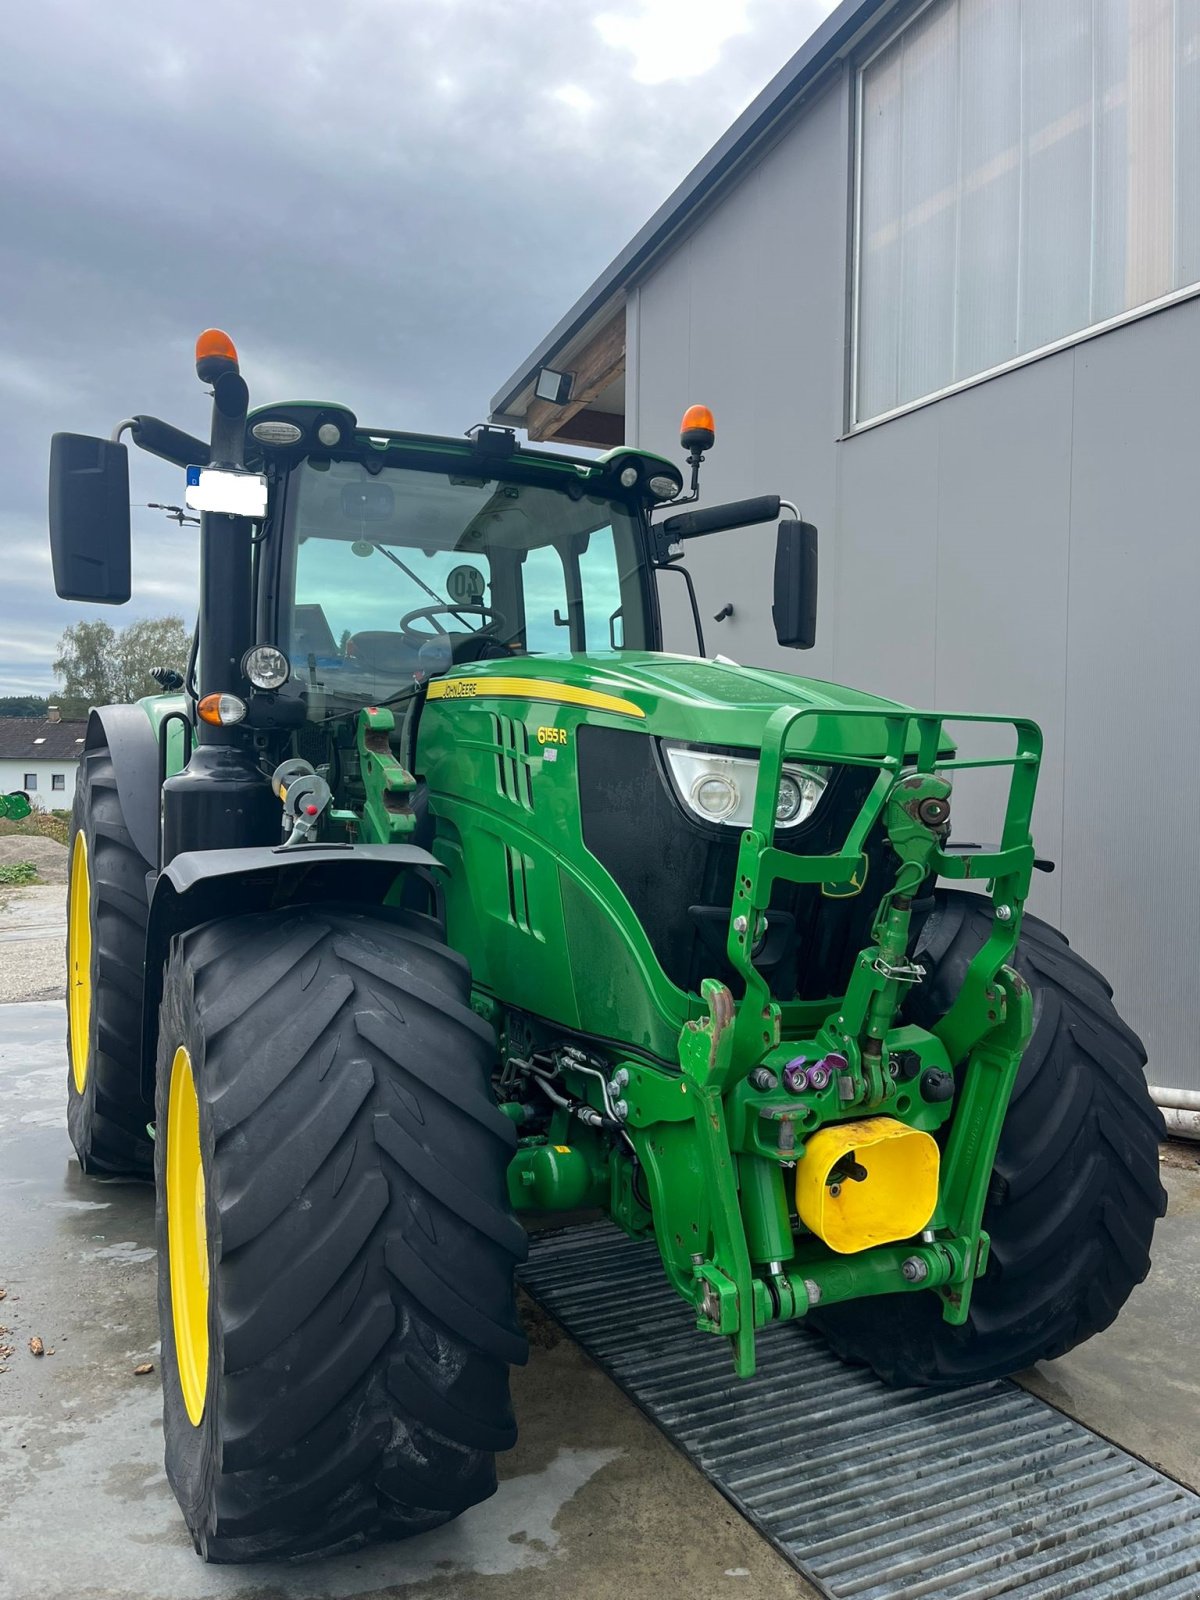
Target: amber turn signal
x: 221, y: 709
x: 697, y: 431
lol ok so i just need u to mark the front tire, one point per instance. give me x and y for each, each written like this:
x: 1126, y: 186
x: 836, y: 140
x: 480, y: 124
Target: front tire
x: 107, y: 910
x: 1075, y: 1188
x: 336, y: 1250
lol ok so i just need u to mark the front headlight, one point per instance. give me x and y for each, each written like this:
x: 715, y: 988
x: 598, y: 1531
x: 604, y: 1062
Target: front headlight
x: 719, y: 788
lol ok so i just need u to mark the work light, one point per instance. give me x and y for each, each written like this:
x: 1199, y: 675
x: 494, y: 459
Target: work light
x: 266, y: 667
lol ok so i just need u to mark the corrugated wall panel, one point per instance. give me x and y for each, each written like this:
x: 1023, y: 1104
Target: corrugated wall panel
x: 1131, y: 878
x: 884, y: 587
x: 1003, y: 507
x: 747, y: 316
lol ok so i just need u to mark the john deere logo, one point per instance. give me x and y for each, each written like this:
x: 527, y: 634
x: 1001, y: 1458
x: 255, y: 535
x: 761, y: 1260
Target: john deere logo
x: 850, y: 887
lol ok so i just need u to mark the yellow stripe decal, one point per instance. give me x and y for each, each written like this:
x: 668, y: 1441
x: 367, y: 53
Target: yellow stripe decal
x: 563, y: 694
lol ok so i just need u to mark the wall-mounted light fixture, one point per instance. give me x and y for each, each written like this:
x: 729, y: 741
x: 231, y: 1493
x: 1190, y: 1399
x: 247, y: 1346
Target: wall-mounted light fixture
x: 554, y: 386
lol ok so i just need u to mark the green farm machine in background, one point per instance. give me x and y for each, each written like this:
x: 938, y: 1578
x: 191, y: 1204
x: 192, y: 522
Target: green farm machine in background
x: 437, y: 892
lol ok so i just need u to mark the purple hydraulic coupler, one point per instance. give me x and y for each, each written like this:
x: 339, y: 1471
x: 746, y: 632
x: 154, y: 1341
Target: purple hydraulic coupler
x: 795, y: 1076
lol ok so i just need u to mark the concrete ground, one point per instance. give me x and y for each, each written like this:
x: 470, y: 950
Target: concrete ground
x: 593, y: 1501
x: 1138, y: 1383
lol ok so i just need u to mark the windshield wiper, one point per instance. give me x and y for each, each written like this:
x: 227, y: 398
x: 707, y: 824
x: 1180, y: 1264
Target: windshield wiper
x: 432, y: 593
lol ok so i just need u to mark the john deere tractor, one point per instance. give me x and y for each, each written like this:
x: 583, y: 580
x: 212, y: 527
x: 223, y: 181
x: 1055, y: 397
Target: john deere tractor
x: 435, y: 892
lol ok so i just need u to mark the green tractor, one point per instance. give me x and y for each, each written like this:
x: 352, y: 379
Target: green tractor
x: 435, y: 892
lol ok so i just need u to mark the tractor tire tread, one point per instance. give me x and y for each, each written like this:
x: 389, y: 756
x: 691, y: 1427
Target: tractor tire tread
x: 347, y: 1110
x: 107, y: 1123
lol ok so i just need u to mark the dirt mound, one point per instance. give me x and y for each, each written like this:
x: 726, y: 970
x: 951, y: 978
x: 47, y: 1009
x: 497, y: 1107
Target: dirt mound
x: 47, y: 855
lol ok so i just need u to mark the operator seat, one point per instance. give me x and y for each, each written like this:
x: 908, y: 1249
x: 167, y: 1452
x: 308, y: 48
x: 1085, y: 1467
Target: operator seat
x: 389, y: 654
x: 395, y: 656
x: 477, y: 647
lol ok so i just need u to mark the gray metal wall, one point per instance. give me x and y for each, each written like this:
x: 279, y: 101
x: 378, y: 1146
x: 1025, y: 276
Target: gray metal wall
x: 1030, y: 545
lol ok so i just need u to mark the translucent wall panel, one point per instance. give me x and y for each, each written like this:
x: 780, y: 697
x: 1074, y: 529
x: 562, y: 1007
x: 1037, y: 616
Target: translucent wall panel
x: 1026, y: 169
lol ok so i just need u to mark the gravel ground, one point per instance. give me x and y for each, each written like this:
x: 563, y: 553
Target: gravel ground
x: 33, y: 935
x: 47, y: 855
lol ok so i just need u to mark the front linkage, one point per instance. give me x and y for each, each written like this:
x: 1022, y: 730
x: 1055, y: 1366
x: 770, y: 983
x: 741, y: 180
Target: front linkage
x: 761, y: 1096
x: 768, y: 1089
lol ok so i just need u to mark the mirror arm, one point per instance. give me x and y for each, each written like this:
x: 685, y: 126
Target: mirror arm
x: 719, y: 518
x: 669, y: 565
x: 661, y: 545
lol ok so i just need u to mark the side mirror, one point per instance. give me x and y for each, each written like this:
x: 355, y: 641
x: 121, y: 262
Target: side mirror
x: 89, y: 518
x: 794, y: 610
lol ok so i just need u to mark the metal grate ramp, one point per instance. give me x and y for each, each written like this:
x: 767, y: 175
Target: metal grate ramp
x: 873, y: 1493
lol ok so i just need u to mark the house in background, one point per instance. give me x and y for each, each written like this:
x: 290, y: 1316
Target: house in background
x: 940, y: 284
x: 41, y: 756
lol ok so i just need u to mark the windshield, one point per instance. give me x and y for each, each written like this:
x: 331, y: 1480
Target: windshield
x: 398, y: 575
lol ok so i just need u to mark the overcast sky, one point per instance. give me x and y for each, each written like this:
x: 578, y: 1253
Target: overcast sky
x: 386, y: 202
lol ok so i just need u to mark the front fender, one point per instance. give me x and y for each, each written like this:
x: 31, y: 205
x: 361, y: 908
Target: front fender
x: 202, y: 885
x: 133, y: 748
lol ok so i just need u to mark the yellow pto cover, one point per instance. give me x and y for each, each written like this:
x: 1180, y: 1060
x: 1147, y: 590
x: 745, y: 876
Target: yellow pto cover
x: 867, y: 1182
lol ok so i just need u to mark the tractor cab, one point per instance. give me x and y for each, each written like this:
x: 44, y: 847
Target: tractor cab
x: 395, y: 564
x: 345, y: 564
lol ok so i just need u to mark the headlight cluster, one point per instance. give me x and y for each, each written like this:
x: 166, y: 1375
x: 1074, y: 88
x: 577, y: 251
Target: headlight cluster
x: 719, y: 788
x: 266, y: 667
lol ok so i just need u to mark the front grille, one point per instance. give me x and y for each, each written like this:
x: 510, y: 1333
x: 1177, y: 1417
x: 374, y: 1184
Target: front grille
x: 677, y: 873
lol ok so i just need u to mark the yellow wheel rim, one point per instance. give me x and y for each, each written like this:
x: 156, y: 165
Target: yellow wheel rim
x: 187, y: 1236
x: 79, y: 962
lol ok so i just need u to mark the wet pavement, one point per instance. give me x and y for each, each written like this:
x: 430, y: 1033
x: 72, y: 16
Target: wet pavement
x: 593, y: 1501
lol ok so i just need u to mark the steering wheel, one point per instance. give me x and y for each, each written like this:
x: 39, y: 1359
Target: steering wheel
x: 430, y: 613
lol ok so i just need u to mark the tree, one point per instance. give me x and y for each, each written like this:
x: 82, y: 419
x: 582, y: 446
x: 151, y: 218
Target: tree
x: 153, y: 642
x: 23, y: 705
x: 99, y: 666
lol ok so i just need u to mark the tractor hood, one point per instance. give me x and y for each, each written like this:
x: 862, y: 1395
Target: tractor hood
x: 679, y: 697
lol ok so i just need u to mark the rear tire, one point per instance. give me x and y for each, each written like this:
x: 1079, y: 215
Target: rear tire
x: 357, y: 1237
x: 1075, y: 1189
x: 107, y: 910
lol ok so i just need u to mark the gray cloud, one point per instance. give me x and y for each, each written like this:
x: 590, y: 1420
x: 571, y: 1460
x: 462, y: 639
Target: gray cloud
x: 386, y: 203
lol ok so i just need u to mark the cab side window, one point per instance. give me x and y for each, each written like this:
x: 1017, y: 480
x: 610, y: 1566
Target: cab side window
x: 544, y: 590
x: 600, y: 588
